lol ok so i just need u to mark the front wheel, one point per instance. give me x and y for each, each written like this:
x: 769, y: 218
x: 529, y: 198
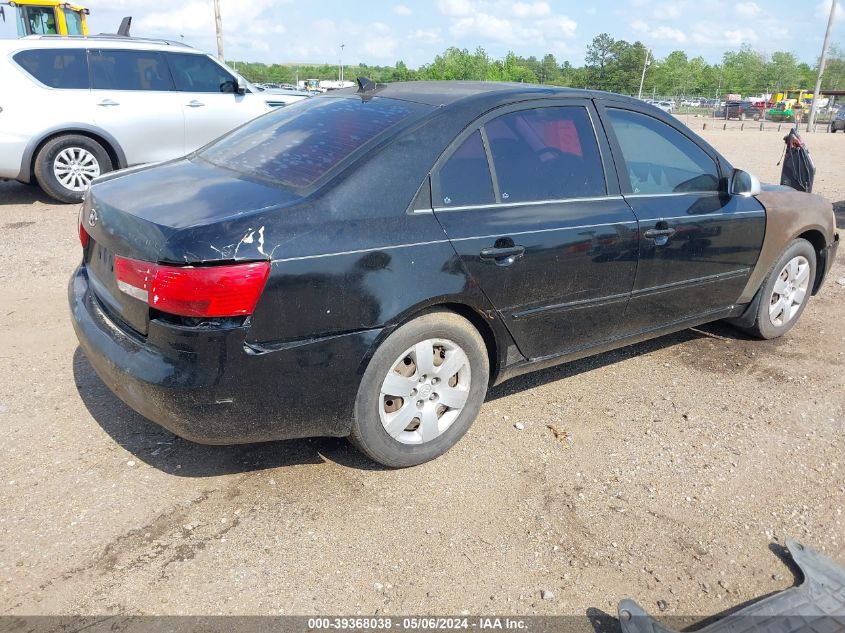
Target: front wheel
x: 67, y: 164
x: 421, y: 391
x: 786, y: 291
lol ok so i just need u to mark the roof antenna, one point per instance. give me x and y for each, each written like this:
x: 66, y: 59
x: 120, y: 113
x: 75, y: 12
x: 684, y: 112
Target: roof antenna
x: 125, y: 24
x: 365, y: 84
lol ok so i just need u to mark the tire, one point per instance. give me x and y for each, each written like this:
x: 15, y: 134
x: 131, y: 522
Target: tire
x: 771, y: 321
x: 404, y: 444
x: 77, y: 159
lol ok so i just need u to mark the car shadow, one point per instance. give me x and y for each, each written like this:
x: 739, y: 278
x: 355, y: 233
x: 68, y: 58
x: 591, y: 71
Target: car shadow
x: 12, y: 192
x: 717, y: 329
x: 839, y: 213
x: 171, y: 454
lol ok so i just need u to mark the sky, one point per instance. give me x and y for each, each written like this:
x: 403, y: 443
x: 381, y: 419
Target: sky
x: 380, y: 32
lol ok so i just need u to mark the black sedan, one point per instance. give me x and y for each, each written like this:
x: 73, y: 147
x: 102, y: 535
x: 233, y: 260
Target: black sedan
x: 367, y: 263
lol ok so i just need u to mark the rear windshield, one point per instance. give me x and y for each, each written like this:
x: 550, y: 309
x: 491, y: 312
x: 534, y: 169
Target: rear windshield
x: 299, y: 144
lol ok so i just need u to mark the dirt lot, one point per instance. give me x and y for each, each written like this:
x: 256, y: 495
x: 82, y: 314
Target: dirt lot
x: 679, y: 463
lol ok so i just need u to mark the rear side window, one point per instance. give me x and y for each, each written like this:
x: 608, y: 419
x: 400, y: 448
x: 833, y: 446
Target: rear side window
x: 197, y: 73
x: 658, y: 158
x: 465, y: 177
x: 546, y: 153
x: 129, y: 70
x: 297, y: 145
x: 56, y: 67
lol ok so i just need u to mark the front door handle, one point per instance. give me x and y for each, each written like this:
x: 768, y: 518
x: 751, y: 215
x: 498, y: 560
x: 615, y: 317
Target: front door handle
x: 195, y: 104
x: 652, y: 234
x: 108, y: 102
x: 502, y: 255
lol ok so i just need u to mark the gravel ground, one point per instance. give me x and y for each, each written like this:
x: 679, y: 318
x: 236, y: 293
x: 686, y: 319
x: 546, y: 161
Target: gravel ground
x: 667, y: 471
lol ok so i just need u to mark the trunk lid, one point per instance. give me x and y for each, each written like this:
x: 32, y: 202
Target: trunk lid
x: 152, y: 214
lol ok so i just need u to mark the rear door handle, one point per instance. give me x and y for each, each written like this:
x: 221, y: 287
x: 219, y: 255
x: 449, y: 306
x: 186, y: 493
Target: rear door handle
x: 504, y: 255
x: 652, y: 234
x: 195, y: 104
x: 108, y: 102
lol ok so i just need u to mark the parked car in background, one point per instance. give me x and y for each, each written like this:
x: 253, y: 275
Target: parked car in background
x: 74, y: 108
x: 838, y: 121
x: 666, y: 106
x: 741, y: 110
x: 366, y: 264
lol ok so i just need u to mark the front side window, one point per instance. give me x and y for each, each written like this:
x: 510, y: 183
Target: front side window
x: 56, y: 67
x: 658, y: 158
x: 297, y: 145
x: 129, y: 70
x: 465, y: 177
x: 548, y: 153
x: 197, y: 73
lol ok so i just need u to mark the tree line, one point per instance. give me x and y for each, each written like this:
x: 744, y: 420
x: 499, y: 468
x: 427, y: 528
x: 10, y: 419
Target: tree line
x: 609, y: 64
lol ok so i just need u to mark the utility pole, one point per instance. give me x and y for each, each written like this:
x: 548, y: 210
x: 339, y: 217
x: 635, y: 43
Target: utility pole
x: 642, y: 78
x: 342, y: 46
x: 218, y: 23
x: 822, y: 61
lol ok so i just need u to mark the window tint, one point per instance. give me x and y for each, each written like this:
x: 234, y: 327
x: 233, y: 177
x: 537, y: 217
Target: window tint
x: 465, y: 178
x: 129, y: 70
x: 659, y: 159
x: 298, y: 144
x: 57, y: 68
x: 197, y: 73
x: 546, y: 154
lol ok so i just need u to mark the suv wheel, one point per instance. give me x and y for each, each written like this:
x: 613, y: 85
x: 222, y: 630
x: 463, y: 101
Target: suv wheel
x: 66, y: 165
x: 421, y: 391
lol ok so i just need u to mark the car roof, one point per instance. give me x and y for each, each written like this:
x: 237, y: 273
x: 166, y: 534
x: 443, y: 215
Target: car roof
x: 92, y: 41
x: 444, y: 93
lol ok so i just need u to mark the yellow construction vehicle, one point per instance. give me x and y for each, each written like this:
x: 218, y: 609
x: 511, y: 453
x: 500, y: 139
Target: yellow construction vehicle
x: 47, y: 17
x: 790, y: 105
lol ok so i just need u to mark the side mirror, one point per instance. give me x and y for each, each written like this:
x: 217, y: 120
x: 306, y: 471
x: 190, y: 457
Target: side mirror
x: 240, y: 86
x: 744, y: 184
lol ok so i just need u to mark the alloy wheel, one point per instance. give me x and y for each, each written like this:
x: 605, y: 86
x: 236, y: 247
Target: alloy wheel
x: 75, y: 168
x: 790, y: 290
x: 425, y: 391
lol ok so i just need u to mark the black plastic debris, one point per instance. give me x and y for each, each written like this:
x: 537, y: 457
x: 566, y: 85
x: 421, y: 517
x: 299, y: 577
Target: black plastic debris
x: 798, y: 170
x: 817, y: 605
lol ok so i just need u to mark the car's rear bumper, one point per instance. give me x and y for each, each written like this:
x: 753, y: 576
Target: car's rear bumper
x: 209, y: 386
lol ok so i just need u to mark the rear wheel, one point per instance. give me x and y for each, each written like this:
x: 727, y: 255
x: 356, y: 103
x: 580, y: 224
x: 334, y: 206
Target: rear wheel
x: 66, y: 165
x: 786, y: 291
x: 421, y: 391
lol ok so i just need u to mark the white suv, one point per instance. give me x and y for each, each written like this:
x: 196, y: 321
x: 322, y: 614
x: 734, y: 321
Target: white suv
x: 73, y: 108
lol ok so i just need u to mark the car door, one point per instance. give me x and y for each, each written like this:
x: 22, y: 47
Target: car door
x: 209, y: 98
x: 698, y: 244
x: 134, y: 99
x: 524, y: 199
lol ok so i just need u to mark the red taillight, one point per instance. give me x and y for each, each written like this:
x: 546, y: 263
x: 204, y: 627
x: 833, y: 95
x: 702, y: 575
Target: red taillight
x: 83, y: 236
x: 215, y: 291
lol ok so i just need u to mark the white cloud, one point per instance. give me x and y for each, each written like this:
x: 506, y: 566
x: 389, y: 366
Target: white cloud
x: 428, y: 36
x: 455, y: 7
x: 748, y: 9
x: 510, y: 23
x: 661, y: 33
x: 529, y: 9
x: 669, y: 10
x: 401, y: 9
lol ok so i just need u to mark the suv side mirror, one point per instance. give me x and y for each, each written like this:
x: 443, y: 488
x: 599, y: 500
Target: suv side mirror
x: 240, y: 86
x: 744, y: 184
